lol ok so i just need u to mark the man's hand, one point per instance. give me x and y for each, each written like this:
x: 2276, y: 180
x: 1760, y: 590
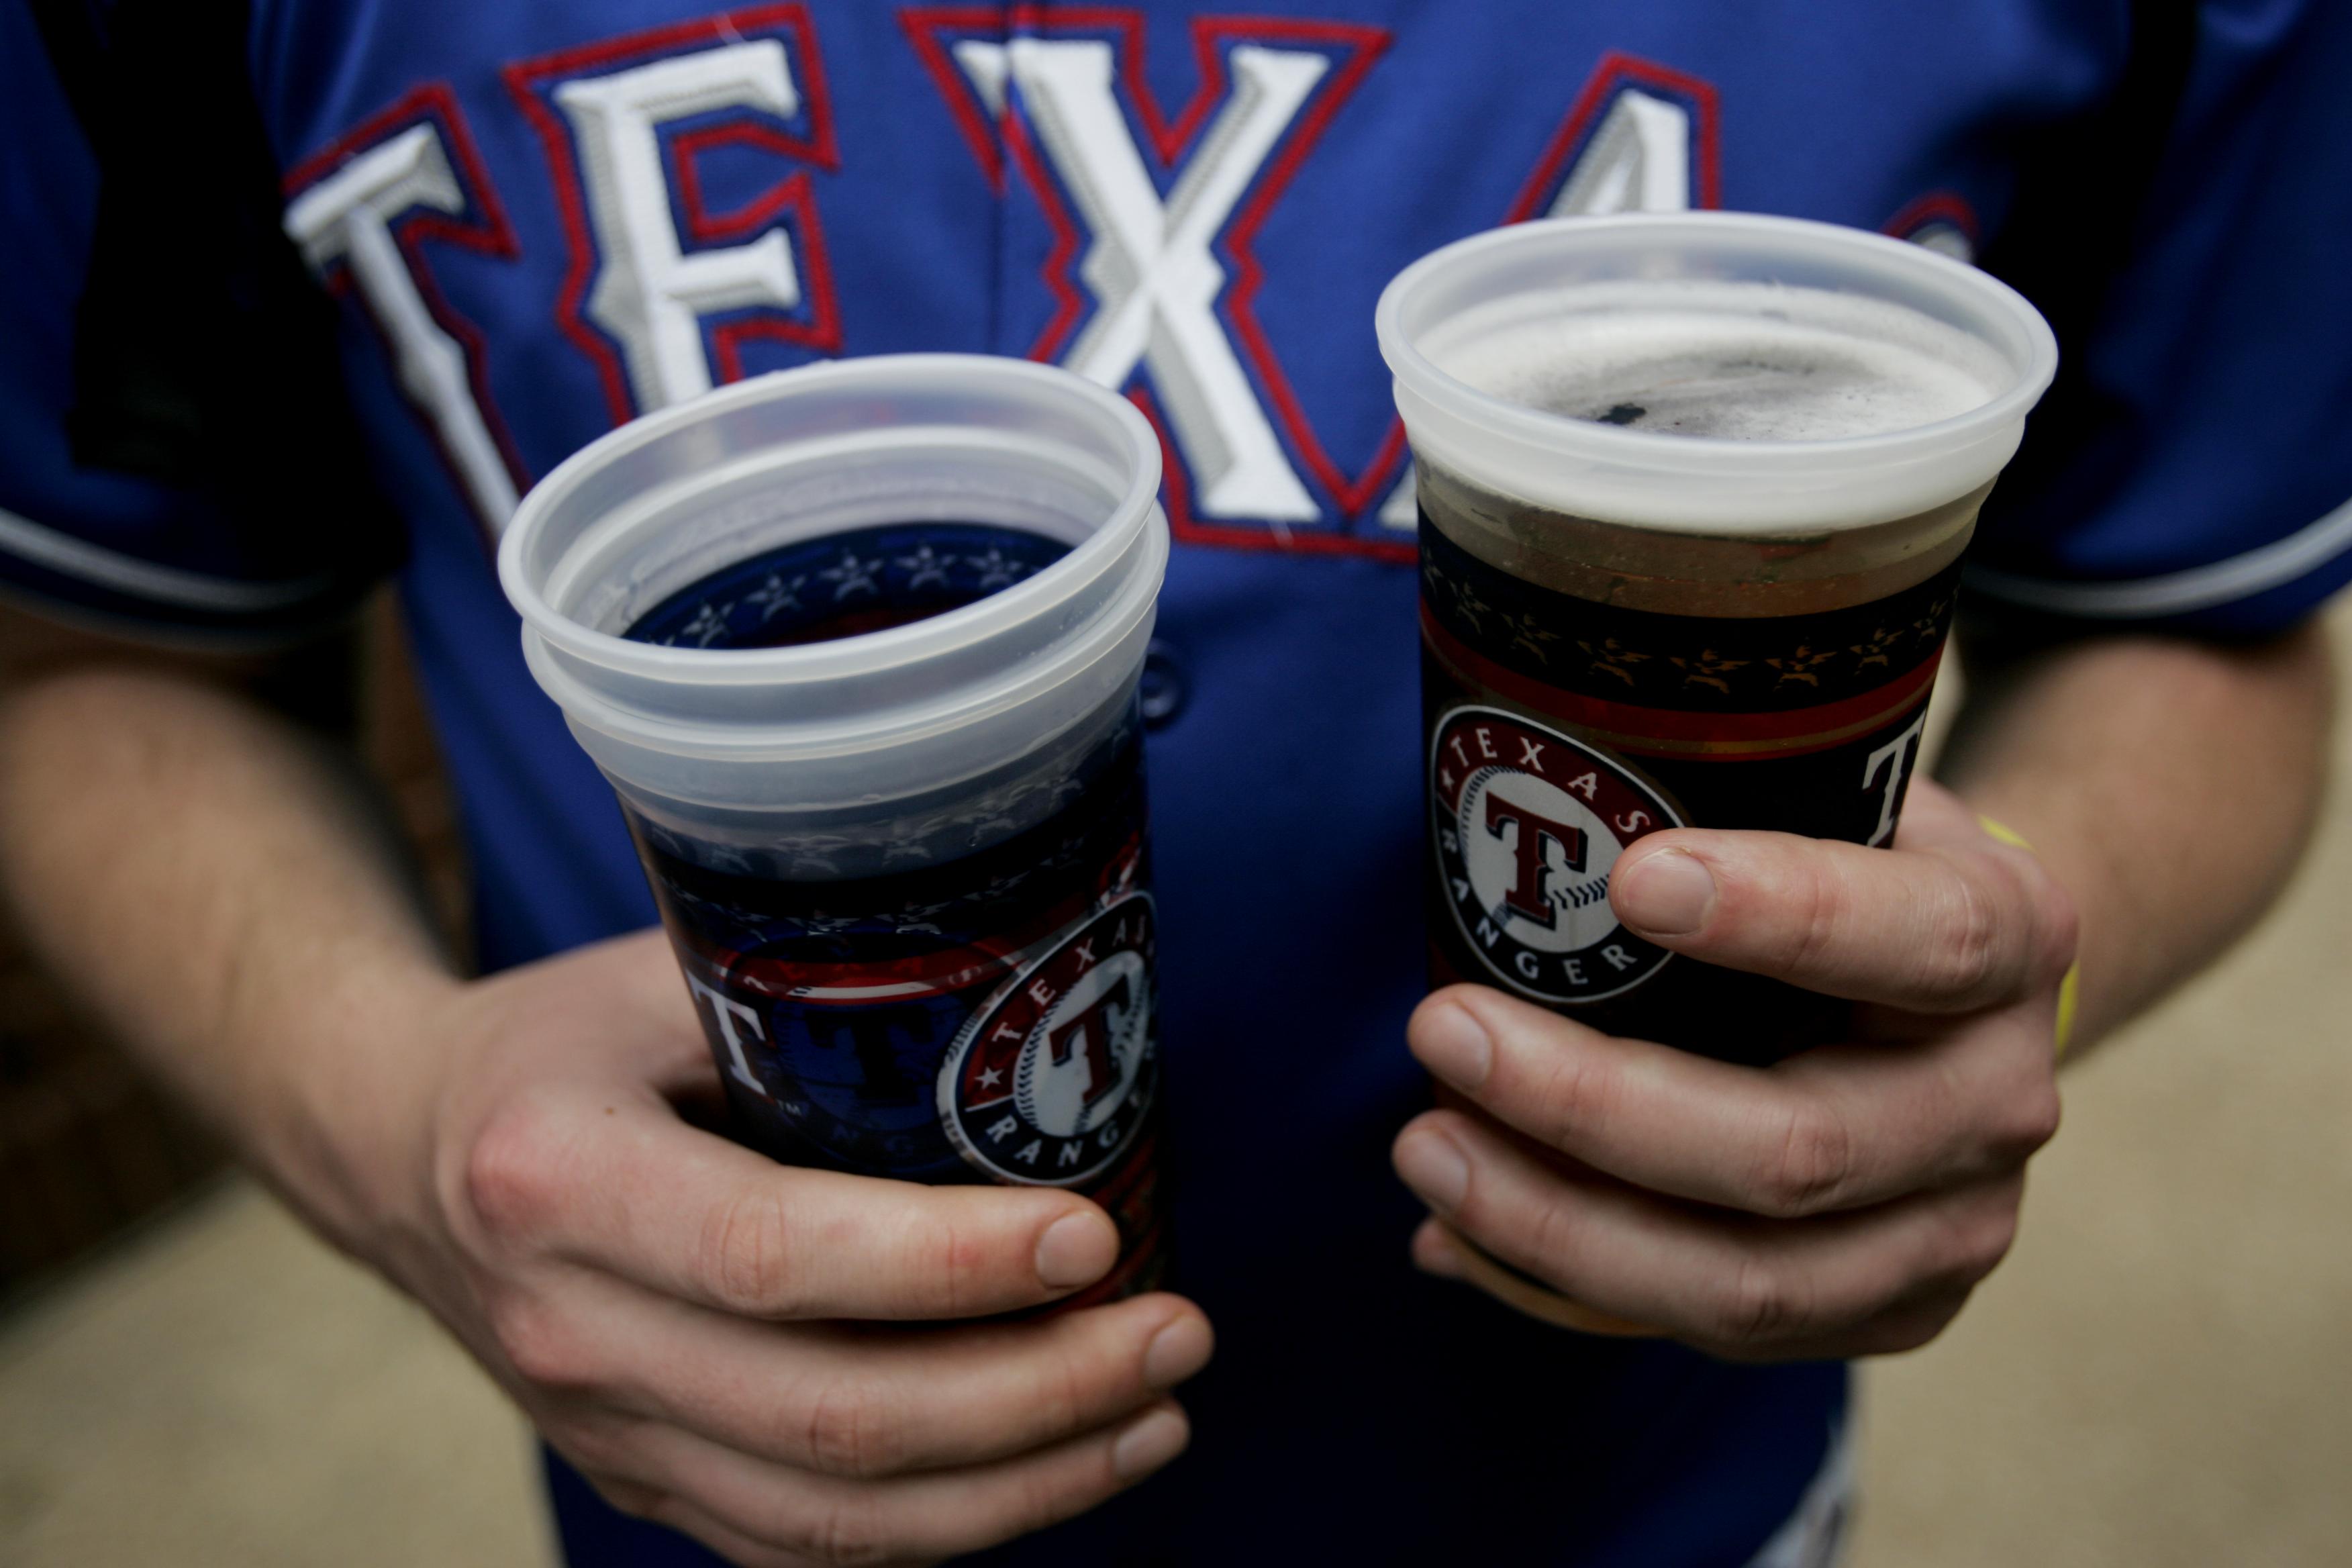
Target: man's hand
x: 1843, y: 1203
x: 725, y: 1344
x: 719, y: 1341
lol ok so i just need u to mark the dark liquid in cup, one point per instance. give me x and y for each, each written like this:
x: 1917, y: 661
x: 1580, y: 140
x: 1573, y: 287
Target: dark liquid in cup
x: 1585, y: 686
x: 978, y: 1005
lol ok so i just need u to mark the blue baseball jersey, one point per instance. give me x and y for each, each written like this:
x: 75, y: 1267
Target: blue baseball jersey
x: 540, y: 221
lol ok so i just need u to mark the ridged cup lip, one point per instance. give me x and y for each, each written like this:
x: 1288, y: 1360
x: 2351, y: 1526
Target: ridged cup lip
x: 2032, y: 352
x: 866, y: 651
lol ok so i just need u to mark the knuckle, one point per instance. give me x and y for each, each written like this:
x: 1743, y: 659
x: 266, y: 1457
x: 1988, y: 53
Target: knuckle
x: 849, y: 1431
x: 1900, y: 1336
x: 2058, y: 925
x: 1902, y: 1332
x: 538, y: 1342
x: 1755, y: 1304
x: 514, y: 1177
x: 1061, y: 1399
x: 1576, y: 1089
x: 599, y: 1445
x: 632, y: 1497
x: 953, y: 1252
x: 2032, y: 1119
x: 1991, y: 1230
x: 939, y: 1259
x: 1973, y: 1239
x: 1810, y: 1165
x: 743, y: 1254
x: 1817, y: 907
x: 1553, y: 1239
x: 1965, y: 962
x: 1045, y: 1499
x: 1989, y: 1240
x: 848, y: 1531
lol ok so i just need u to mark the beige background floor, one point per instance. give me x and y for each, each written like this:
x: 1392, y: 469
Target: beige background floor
x: 2160, y: 1375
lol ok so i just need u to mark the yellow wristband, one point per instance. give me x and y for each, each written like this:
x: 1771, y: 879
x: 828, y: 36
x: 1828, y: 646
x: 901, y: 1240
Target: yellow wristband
x: 2069, y: 988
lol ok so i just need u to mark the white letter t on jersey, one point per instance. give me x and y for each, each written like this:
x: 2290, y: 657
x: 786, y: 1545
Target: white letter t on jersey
x: 347, y: 217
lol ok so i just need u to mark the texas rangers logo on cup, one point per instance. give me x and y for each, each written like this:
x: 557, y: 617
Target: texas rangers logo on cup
x: 1529, y: 825
x: 1049, y: 1082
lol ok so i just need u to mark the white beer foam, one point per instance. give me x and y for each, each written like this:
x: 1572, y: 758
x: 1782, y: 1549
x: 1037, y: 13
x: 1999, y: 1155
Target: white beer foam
x: 1745, y: 362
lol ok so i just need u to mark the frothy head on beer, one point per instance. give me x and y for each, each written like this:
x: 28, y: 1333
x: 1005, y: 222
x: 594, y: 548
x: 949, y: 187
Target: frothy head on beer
x: 1737, y: 361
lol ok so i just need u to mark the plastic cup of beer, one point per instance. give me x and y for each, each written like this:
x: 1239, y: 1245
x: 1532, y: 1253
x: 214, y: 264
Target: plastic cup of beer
x: 857, y: 647
x: 1694, y: 494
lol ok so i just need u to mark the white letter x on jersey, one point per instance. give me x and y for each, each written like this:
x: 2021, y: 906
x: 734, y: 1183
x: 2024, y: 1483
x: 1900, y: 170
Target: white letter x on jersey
x: 650, y: 295
x: 348, y: 217
x: 1150, y: 268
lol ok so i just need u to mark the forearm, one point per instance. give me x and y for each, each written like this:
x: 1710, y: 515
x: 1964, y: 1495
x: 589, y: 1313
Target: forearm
x: 2168, y: 785
x: 201, y: 875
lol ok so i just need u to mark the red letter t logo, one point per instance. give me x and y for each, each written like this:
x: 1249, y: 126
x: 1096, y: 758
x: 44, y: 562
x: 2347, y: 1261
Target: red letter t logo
x: 1526, y: 896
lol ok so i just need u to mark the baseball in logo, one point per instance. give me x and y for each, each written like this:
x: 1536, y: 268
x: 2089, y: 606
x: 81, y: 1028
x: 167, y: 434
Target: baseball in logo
x: 1050, y: 1081
x: 1529, y: 825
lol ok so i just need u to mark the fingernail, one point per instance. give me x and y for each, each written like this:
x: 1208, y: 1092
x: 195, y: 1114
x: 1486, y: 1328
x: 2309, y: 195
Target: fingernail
x: 1177, y: 1352
x: 1077, y: 1249
x: 1432, y: 1167
x: 1449, y: 1044
x: 1151, y: 1443
x: 1669, y: 894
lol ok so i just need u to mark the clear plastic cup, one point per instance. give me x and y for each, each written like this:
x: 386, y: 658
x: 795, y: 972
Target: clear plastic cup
x: 875, y: 853
x: 1629, y: 628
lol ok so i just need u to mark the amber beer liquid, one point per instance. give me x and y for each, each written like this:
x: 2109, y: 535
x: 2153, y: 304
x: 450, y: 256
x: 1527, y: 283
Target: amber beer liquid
x: 1585, y: 685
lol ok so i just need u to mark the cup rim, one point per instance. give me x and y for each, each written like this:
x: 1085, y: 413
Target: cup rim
x: 866, y: 651
x: 1584, y: 440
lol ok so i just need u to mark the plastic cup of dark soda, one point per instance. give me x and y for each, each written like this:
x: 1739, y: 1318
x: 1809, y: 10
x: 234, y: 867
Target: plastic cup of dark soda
x: 857, y: 647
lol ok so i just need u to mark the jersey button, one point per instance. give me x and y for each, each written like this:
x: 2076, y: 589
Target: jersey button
x: 1165, y: 686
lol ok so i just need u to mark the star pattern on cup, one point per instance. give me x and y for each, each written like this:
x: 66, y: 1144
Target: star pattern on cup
x: 995, y: 569
x: 1471, y: 607
x: 1801, y: 666
x: 1708, y: 668
x: 1929, y: 627
x: 851, y: 575
x: 774, y: 596
x: 1610, y: 656
x: 1875, y: 649
x: 925, y: 565
x: 1529, y: 633
x: 817, y: 923
x: 994, y: 824
x: 709, y: 624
